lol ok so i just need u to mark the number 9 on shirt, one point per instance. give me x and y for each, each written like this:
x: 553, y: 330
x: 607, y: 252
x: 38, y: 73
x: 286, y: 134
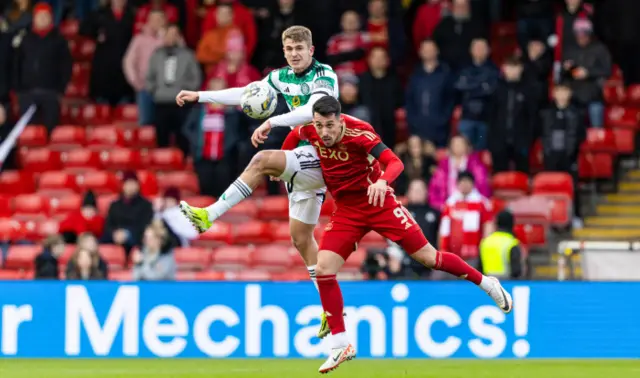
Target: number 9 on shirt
x: 259, y: 100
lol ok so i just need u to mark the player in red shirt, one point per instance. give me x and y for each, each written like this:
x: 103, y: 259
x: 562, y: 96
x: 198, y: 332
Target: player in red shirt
x: 350, y: 156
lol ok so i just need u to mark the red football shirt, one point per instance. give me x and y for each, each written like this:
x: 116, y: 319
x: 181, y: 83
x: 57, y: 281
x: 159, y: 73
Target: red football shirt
x: 347, y: 167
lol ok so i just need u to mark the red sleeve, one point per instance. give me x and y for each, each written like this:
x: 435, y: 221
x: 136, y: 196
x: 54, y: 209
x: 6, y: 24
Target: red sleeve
x: 393, y: 166
x: 292, y: 140
x: 209, y: 21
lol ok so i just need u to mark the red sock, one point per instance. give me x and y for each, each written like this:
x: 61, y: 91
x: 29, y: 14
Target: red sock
x: 332, y: 302
x: 451, y: 263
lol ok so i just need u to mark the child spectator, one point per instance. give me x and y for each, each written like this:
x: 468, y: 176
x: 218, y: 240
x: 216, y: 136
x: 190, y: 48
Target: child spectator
x: 85, y: 219
x: 85, y: 266
x: 46, y: 263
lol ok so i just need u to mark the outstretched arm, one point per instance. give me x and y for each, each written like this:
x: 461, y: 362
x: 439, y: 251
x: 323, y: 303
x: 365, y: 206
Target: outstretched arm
x: 229, y: 96
x: 300, y: 115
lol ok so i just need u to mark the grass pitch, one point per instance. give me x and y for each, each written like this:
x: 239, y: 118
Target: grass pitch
x: 195, y: 368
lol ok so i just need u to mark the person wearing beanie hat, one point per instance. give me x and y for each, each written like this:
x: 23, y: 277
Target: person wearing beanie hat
x: 181, y: 232
x: 500, y: 253
x: 84, y: 220
x: 37, y: 83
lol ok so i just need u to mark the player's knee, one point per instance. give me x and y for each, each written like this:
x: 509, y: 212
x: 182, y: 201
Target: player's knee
x: 259, y: 162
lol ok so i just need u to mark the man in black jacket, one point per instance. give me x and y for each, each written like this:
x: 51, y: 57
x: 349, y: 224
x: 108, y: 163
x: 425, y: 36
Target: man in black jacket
x: 42, y: 67
x: 513, y: 118
x: 427, y: 218
x: 535, y: 20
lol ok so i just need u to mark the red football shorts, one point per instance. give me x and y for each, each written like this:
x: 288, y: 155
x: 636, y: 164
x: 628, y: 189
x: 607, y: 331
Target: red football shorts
x: 349, y: 223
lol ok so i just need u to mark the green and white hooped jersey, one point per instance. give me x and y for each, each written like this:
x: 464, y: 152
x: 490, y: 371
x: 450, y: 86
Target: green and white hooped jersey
x: 298, y: 88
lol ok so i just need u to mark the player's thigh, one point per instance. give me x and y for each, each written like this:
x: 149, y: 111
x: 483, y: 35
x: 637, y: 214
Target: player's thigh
x: 341, y: 236
x: 305, y: 207
x: 269, y: 162
x: 302, y: 170
x: 395, y: 223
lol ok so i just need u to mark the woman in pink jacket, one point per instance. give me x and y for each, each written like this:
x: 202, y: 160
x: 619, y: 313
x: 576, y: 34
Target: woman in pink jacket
x: 460, y: 158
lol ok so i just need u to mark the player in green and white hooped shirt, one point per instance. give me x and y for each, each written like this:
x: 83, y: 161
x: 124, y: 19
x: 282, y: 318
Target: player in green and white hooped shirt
x: 302, y: 83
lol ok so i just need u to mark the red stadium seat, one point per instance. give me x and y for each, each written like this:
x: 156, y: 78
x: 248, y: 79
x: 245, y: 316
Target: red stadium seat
x: 219, y: 234
x: 33, y: 136
x: 498, y: 204
x: 114, y: 255
x: 621, y: 117
x: 148, y: 183
x: 274, y: 208
x: 510, y: 184
x: 167, y: 159
x: 354, y: 262
x: 57, y: 183
x: 248, y: 275
x: 46, y: 228
x: 11, y: 230
x: 80, y: 72
x: 200, y: 201
x: 105, y: 137
x: 209, y: 275
x: 553, y: 184
x: 531, y: 235
x: 121, y: 275
x: 280, y: 232
x: 600, y: 140
x: 100, y: 182
x: 76, y: 90
x: 186, y: 181
x: 5, y: 206
x: 9, y: 275
x: 633, y: 95
x: 65, y: 204
x: 533, y: 209
x: 81, y: 160
x: 274, y: 258
x: 22, y: 256
x: 595, y: 166
x: 252, y: 232
x: 86, y: 49
x: 95, y: 114
x: 66, y: 137
x: 39, y: 160
x: 69, y: 28
x: 145, y: 137
x: 625, y: 141
x: 31, y: 204
x: 373, y: 239
x: 104, y: 202
x: 614, y: 94
x: 16, y: 182
x: 192, y: 258
x: 245, y: 211
x: 231, y: 258
x: 126, y: 113
x: 123, y: 159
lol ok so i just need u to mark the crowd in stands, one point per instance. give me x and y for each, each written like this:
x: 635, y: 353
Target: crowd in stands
x: 458, y: 92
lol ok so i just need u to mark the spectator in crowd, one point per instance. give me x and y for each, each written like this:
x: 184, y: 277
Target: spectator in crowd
x: 136, y: 63
x: 427, y: 19
x: 170, y: 12
x: 466, y: 218
x: 381, y: 93
x: 535, y: 20
x: 46, y: 263
x: 128, y: 215
x: 426, y: 216
x: 172, y: 67
x: 17, y: 16
x: 86, y: 219
x: 538, y: 63
x: 272, y: 22
x: 563, y: 131
x: 418, y: 165
x: 430, y: 97
x: 85, y: 266
x: 6, y: 60
x: 88, y: 242
x: 38, y: 83
x: 500, y: 252
x: 564, y: 38
x: 385, y: 31
x: 242, y: 18
x: 234, y: 68
x: 460, y: 159
x: 455, y: 33
x: 179, y: 229
x: 111, y: 28
x: 350, y: 98
x: 476, y: 84
x: 346, y: 51
x: 586, y: 67
x: 153, y: 263
x: 622, y: 35
x: 213, y: 45
x: 391, y: 263
x: 513, y: 118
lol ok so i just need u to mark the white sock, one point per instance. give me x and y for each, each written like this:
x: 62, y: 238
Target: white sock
x: 312, y: 275
x: 486, y: 284
x: 235, y: 193
x: 339, y: 340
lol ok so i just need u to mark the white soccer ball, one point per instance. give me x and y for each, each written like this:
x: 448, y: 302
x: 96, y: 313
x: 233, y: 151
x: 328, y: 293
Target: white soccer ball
x: 259, y: 100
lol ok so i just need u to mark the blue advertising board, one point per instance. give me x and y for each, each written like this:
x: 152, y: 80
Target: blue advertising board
x: 267, y: 320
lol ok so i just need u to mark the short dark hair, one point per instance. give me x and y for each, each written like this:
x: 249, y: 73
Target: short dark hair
x: 466, y: 175
x: 505, y: 220
x: 327, y: 106
x: 513, y: 60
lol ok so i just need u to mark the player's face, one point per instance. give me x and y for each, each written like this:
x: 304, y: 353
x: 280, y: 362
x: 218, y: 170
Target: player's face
x: 328, y: 128
x: 297, y: 54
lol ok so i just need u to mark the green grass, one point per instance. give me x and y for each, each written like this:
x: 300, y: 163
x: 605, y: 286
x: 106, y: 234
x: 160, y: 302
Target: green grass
x: 308, y: 368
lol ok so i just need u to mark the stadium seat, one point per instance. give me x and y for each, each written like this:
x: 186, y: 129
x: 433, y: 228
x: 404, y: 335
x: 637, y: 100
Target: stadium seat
x: 354, y: 262
x: 65, y: 204
x: 199, y: 201
x: 121, y: 275
x: 625, y: 141
x: 251, y: 232
x: 76, y: 90
x: 17, y: 182
x: 69, y: 28
x: 145, y: 137
x: 80, y: 72
x: 12, y: 230
x: 46, y: 228
x: 105, y: 137
x: 167, y: 159
x: 148, y: 183
x: 186, y: 275
x: 186, y: 181
x: 122, y: 159
x: 100, y: 182
x: 219, y: 234
x: 280, y: 232
x: 245, y: 211
x: 57, y: 184
x: 10, y: 275
x: 633, y: 96
x: 509, y: 185
x: 614, y: 94
x: 69, y: 250
x: 104, y: 202
x: 67, y: 137
x: 553, y: 184
x: 291, y: 276
x: 33, y: 136
x: 127, y: 113
x: 31, y: 204
x: 531, y: 235
x: 373, y: 240
x: 231, y: 258
x: 40, y: 159
x: 274, y: 208
x: 81, y: 160
x: 96, y: 114
x: 531, y: 209
x: 248, y: 276
x: 621, y: 117
x: 113, y: 255
x: 5, y: 206
x: 274, y: 258
x: 600, y: 140
x: 209, y: 275
x: 192, y: 258
x: 22, y: 256
x: 595, y: 166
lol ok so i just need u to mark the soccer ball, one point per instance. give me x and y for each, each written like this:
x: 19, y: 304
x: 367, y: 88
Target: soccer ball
x: 259, y: 100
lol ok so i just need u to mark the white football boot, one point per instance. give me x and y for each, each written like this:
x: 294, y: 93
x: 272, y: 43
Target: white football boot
x: 500, y: 296
x: 336, y: 357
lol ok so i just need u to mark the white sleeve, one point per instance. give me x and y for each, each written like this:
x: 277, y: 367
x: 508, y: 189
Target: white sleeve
x: 229, y: 96
x: 298, y: 116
